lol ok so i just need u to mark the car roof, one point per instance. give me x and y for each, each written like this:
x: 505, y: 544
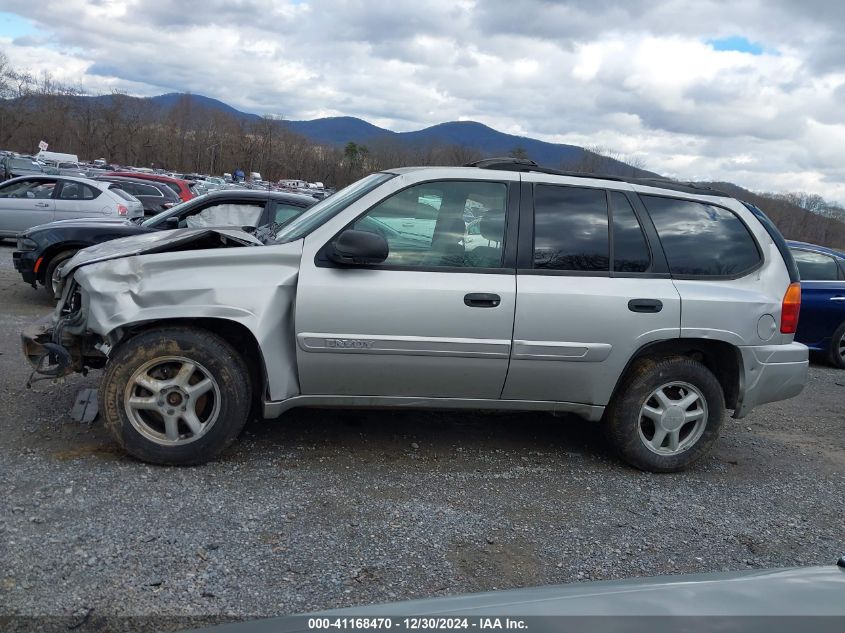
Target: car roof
x: 145, y: 176
x: 87, y: 181
x: 521, y: 165
x: 259, y: 194
x: 815, y: 247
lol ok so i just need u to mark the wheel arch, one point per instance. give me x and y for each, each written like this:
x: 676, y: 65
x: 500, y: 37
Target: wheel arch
x: 50, y: 252
x: 239, y: 336
x: 723, y: 359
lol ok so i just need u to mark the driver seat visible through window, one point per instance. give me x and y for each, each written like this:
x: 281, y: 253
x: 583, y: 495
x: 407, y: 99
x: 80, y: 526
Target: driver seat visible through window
x: 425, y: 225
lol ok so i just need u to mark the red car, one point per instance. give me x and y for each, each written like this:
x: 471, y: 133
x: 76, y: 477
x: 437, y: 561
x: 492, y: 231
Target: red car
x: 181, y: 187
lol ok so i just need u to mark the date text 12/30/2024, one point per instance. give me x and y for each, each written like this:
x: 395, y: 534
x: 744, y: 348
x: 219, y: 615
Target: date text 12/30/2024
x: 418, y: 623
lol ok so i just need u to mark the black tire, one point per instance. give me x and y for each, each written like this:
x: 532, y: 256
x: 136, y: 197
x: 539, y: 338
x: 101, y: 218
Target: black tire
x: 623, y: 422
x: 230, y: 396
x: 837, y: 344
x: 57, y: 260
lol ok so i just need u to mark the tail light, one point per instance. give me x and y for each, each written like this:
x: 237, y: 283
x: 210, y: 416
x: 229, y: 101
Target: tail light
x: 121, y: 210
x: 790, y: 308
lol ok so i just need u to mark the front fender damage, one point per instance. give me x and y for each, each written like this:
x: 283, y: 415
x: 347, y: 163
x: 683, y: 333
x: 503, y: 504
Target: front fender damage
x: 254, y: 287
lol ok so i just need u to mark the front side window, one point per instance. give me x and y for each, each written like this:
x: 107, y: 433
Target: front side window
x: 424, y: 225
x: 701, y: 239
x: 32, y: 189
x: 570, y: 229
x: 815, y: 266
x: 630, y: 250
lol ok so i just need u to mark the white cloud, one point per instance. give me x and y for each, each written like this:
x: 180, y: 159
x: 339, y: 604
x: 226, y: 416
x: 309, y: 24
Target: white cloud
x: 638, y: 76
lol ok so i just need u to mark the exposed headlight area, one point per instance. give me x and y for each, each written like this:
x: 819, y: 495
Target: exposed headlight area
x: 72, y: 300
x: 26, y: 244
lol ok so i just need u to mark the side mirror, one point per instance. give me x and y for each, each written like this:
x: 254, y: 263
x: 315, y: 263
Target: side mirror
x: 358, y: 247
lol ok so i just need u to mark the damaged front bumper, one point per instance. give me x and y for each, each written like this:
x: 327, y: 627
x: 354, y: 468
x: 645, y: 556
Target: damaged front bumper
x: 47, y: 357
x: 58, y: 345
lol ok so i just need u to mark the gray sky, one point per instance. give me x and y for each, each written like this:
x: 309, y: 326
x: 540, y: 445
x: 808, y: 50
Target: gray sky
x: 750, y: 92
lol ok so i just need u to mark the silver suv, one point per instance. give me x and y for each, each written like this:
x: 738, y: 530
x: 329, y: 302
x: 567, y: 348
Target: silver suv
x: 646, y: 306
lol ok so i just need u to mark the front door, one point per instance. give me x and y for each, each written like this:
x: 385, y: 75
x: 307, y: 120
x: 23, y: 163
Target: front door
x: 434, y: 320
x: 822, y: 297
x: 591, y: 292
x: 26, y: 203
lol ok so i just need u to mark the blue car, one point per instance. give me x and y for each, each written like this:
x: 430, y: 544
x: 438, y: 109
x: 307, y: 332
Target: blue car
x: 821, y: 326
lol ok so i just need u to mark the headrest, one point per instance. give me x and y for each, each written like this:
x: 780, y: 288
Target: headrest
x: 492, y: 226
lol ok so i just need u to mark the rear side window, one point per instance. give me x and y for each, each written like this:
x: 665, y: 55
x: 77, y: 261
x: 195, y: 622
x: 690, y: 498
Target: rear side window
x: 702, y: 240
x: 145, y: 190
x: 630, y: 251
x: 570, y: 229
x: 815, y: 266
x: 77, y: 191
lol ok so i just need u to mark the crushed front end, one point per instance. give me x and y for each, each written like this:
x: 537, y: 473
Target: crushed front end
x: 59, y: 344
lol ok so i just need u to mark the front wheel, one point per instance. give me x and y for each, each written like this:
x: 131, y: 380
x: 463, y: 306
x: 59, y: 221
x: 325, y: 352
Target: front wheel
x: 51, y: 274
x: 667, y: 416
x: 176, y: 396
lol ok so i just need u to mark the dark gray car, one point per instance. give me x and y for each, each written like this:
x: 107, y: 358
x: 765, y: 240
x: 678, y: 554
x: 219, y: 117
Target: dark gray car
x: 155, y: 196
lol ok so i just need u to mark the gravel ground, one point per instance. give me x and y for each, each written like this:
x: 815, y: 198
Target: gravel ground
x: 326, y: 509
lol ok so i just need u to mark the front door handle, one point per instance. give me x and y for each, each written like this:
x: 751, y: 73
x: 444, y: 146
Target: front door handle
x: 837, y: 298
x: 482, y: 300
x: 645, y: 305
x: 43, y: 205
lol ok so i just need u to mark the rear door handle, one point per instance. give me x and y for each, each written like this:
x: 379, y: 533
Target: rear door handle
x: 837, y: 298
x: 482, y: 300
x: 645, y: 305
x: 42, y: 204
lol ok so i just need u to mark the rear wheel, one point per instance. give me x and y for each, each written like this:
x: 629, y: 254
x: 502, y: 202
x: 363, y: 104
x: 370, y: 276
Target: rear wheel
x: 667, y: 416
x: 176, y: 396
x: 836, y: 353
x: 51, y: 273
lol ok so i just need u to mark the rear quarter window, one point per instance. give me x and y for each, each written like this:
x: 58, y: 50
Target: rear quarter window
x: 702, y: 240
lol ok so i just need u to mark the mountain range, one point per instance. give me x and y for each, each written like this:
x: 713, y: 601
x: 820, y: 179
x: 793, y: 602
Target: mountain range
x: 339, y: 131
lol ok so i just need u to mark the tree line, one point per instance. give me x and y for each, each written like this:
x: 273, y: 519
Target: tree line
x: 191, y: 138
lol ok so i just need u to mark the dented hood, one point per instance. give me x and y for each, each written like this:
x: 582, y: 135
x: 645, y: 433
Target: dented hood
x: 156, y: 243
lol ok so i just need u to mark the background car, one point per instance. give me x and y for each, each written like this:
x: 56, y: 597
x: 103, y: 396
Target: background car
x: 32, y: 200
x: 821, y: 326
x: 43, y: 249
x: 155, y: 196
x: 180, y: 186
x: 13, y: 166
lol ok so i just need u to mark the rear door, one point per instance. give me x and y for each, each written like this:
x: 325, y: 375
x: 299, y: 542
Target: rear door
x: 26, y: 203
x: 593, y: 288
x: 822, y: 297
x: 79, y: 200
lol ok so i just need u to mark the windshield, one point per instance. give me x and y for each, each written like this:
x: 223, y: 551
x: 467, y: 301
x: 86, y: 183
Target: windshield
x: 330, y: 207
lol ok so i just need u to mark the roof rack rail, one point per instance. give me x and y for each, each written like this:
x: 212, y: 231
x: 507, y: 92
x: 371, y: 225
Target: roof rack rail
x: 508, y: 163
x: 524, y: 164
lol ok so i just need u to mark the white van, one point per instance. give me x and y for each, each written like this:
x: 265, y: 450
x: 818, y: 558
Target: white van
x: 57, y: 157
